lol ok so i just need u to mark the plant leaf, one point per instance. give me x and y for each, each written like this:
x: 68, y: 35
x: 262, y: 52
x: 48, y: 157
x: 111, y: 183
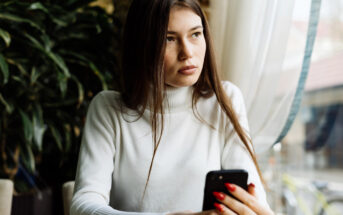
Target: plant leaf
x: 54, y: 57
x: 80, y: 90
x: 18, y: 65
x: 62, y: 82
x: 28, y: 158
x: 15, y: 18
x: 9, y: 107
x: 100, y: 76
x: 60, y: 63
x: 38, y: 6
x: 27, y: 126
x: 34, y: 75
x: 19, y: 79
x: 59, y: 104
x: 57, y: 136
x: 6, y: 37
x: 67, y: 133
x: 47, y: 42
x: 84, y: 62
x: 38, y: 127
x: 35, y: 42
x: 4, y: 69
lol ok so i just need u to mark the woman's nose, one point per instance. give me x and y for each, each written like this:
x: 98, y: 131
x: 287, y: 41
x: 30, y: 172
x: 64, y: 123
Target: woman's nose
x: 185, y: 51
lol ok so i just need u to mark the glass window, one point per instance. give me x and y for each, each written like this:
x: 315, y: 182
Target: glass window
x: 310, y: 159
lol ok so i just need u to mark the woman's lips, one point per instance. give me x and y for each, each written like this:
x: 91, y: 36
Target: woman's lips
x: 188, y: 70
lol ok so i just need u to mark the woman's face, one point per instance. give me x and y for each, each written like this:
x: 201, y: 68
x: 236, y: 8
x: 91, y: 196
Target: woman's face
x: 185, y: 49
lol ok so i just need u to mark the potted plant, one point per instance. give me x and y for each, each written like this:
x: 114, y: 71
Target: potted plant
x: 54, y: 57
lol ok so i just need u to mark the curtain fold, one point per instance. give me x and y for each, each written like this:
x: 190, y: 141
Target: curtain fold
x: 311, y: 35
x: 257, y: 48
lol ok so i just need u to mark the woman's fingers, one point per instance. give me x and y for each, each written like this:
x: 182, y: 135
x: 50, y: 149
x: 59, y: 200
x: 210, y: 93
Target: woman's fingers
x: 209, y: 212
x: 244, y: 197
x: 251, y: 189
x: 223, y: 210
x: 232, y: 204
x: 247, y: 199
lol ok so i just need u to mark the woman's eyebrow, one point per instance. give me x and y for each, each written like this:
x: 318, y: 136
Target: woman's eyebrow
x: 192, y: 29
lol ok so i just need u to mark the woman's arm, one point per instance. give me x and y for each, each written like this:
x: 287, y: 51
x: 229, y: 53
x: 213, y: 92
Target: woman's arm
x: 96, y: 162
x: 235, y: 154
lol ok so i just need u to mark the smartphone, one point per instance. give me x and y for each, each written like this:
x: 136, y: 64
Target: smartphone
x: 215, y: 182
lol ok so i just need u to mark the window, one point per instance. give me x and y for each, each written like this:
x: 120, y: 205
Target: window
x: 311, y: 155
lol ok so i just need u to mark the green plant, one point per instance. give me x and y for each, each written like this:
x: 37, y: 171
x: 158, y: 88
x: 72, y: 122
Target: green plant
x: 54, y: 57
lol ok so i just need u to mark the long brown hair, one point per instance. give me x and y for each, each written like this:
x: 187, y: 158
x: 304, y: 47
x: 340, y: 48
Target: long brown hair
x: 142, y: 66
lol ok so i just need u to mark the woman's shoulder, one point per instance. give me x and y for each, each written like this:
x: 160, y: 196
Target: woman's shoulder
x: 109, y: 95
x: 106, y: 99
x: 231, y: 90
x: 234, y: 93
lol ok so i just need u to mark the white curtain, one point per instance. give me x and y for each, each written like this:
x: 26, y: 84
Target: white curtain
x: 258, y: 51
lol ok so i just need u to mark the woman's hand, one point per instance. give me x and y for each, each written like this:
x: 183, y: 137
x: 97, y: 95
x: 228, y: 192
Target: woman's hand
x: 209, y: 212
x: 248, y: 203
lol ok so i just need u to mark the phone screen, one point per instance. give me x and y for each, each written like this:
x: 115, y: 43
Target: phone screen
x: 215, y: 182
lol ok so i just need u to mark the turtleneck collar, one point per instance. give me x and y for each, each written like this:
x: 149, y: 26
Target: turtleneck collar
x: 178, y: 98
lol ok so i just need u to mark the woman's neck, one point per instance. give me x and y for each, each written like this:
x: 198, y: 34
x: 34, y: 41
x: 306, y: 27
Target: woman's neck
x: 178, y: 98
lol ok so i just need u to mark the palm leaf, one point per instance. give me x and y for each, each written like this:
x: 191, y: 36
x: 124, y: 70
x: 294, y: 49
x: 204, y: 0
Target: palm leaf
x: 80, y: 90
x: 35, y: 74
x: 67, y: 133
x: 57, y: 137
x: 40, y: 6
x: 28, y: 158
x: 45, y: 48
x: 6, y: 37
x: 99, y: 75
x: 20, y: 66
x: 14, y: 18
x: 86, y: 62
x: 27, y: 126
x: 9, y: 107
x: 4, y: 68
x: 38, y: 127
x: 60, y: 63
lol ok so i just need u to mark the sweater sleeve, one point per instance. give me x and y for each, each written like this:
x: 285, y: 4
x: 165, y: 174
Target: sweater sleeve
x: 235, y: 154
x: 96, y: 162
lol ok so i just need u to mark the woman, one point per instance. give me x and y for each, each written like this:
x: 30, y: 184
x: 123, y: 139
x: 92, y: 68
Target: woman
x: 148, y: 149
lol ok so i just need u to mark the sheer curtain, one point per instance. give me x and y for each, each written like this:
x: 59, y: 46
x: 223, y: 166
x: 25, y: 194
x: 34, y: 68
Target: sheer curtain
x: 257, y: 50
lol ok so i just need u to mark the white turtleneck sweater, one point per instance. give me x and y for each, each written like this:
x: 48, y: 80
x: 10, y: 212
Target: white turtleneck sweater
x: 117, y: 148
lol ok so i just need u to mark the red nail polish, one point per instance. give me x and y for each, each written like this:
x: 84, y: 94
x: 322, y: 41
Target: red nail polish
x: 219, y: 196
x: 230, y: 187
x: 252, y: 184
x: 219, y: 207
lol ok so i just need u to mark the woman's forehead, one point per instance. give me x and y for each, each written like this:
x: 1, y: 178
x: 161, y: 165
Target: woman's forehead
x: 183, y: 18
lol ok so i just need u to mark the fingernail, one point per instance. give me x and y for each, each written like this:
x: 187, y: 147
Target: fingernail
x: 219, y: 207
x: 230, y: 187
x: 252, y: 185
x: 219, y: 196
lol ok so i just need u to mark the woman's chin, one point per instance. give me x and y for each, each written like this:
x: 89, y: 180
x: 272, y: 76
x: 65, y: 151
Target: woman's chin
x: 183, y: 81
x: 181, y: 84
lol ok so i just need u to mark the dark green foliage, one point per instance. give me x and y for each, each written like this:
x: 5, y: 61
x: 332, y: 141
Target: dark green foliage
x: 54, y: 57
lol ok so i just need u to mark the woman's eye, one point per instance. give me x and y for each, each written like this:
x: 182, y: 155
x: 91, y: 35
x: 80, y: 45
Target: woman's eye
x: 170, y: 39
x: 196, y: 34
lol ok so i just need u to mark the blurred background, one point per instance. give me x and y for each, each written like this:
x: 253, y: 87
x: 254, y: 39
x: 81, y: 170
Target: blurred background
x: 286, y: 56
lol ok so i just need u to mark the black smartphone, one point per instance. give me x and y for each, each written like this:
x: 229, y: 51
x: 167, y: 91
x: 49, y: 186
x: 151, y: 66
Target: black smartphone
x: 215, y: 182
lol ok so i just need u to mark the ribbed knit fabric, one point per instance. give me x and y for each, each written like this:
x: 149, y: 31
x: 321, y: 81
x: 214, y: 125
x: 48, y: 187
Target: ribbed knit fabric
x: 117, y: 148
